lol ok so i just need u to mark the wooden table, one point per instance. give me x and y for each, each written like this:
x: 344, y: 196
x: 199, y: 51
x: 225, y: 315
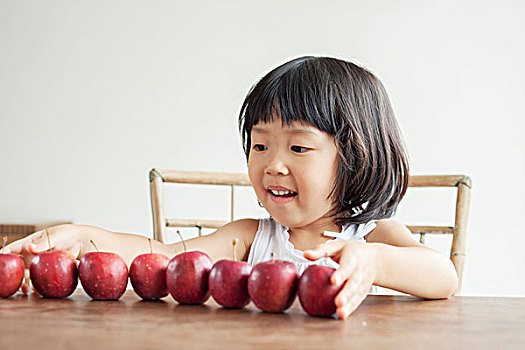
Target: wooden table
x: 386, y: 322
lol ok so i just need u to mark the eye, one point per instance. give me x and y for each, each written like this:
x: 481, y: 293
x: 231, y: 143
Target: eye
x: 299, y: 149
x: 259, y: 147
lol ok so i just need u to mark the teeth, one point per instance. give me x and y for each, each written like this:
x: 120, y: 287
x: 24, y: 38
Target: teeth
x: 280, y: 193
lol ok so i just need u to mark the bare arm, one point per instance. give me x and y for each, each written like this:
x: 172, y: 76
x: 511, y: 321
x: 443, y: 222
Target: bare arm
x: 77, y: 240
x: 408, y: 266
x: 219, y: 246
x: 391, y: 258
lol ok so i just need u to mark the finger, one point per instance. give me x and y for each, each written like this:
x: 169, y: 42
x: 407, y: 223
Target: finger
x: 344, y: 312
x: 28, y: 285
x: 25, y: 284
x: 19, y: 246
x: 358, y: 291
x: 74, y: 250
x: 353, y: 302
x: 347, y: 265
x: 16, y: 247
x: 12, y: 248
x: 348, y: 291
x: 41, y: 243
x: 24, y: 289
x: 352, y: 305
x: 324, y: 250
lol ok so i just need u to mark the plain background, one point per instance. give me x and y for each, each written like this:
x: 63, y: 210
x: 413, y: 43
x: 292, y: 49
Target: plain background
x: 93, y: 94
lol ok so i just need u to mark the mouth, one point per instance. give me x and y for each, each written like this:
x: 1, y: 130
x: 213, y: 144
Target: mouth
x: 281, y: 194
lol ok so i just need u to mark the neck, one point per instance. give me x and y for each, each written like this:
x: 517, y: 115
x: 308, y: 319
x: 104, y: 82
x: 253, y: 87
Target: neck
x: 309, y: 236
x: 315, y: 229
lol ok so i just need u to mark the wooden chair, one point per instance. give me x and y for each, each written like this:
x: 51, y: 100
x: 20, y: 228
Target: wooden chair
x: 462, y: 182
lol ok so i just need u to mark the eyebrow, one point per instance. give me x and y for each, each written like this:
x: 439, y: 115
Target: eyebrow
x: 294, y: 131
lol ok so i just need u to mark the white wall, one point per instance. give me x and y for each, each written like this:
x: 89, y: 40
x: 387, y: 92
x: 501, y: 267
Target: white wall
x: 95, y: 93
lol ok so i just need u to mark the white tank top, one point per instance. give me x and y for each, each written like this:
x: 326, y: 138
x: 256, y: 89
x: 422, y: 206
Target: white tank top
x: 272, y: 237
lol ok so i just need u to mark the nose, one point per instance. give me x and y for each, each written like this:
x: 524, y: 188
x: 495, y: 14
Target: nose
x: 276, y: 165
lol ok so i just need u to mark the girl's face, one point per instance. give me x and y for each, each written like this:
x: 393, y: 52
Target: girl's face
x: 293, y: 169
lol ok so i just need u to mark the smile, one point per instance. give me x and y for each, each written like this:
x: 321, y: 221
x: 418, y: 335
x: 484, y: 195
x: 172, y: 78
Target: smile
x: 281, y: 195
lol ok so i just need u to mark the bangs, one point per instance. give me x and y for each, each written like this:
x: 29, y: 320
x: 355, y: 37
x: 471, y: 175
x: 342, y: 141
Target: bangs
x: 298, y: 91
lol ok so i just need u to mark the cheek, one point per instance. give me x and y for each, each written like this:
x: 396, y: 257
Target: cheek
x: 321, y: 180
x: 255, y: 176
x: 317, y: 190
x: 251, y: 167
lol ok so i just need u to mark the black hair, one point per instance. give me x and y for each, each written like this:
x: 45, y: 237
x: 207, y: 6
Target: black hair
x: 349, y: 103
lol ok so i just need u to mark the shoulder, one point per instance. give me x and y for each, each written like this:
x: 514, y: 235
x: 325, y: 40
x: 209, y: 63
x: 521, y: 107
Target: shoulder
x: 392, y: 232
x: 247, y: 224
x: 243, y: 223
x: 246, y: 228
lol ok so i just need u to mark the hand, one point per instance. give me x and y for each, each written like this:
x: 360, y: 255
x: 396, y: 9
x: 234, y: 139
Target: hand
x: 357, y: 267
x: 62, y: 237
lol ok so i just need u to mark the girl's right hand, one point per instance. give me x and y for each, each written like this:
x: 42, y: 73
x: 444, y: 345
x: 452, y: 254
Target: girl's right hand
x: 63, y: 237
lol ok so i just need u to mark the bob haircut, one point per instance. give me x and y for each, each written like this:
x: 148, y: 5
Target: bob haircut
x: 349, y: 103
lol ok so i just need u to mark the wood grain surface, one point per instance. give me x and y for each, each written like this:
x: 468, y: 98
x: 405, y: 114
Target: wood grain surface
x: 386, y: 322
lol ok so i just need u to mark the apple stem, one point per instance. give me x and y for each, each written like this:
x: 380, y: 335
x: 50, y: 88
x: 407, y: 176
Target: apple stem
x: 273, y: 256
x: 94, y: 245
x: 150, y: 248
x: 235, y: 241
x: 48, y: 239
x: 3, y: 245
x: 182, y: 239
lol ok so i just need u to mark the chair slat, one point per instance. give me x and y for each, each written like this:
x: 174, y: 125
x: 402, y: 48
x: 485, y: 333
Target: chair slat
x: 431, y: 229
x: 157, y: 206
x: 195, y: 223
x: 438, y: 180
x: 204, y: 178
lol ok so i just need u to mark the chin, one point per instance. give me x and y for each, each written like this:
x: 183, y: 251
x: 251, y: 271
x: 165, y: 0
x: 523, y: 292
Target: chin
x: 286, y: 221
x: 284, y: 213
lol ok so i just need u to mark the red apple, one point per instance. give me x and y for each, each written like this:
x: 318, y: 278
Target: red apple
x: 228, y: 283
x: 54, y: 274
x: 187, y: 277
x: 11, y: 274
x: 272, y: 285
x: 316, y: 292
x: 147, y: 273
x: 104, y: 276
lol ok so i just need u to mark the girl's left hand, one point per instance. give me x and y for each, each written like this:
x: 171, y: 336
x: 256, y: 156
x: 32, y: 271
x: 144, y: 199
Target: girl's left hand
x: 357, y: 266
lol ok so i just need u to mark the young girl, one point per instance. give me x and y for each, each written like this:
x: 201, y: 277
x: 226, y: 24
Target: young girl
x: 327, y: 161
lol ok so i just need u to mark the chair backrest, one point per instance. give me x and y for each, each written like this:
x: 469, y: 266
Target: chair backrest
x: 462, y: 182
